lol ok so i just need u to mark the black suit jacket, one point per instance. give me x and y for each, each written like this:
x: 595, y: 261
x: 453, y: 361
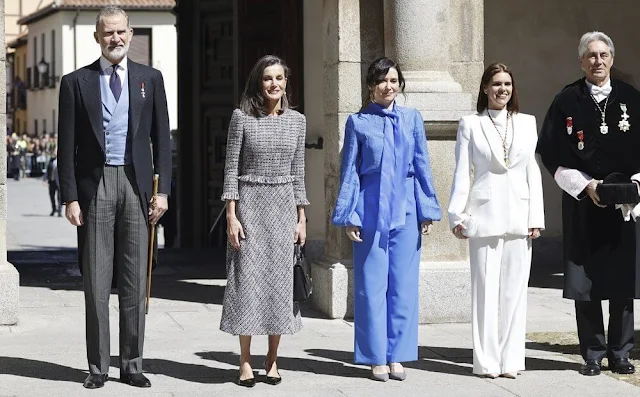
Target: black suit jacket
x: 81, y: 152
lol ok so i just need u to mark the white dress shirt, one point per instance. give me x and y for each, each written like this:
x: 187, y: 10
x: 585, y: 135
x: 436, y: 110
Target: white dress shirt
x: 107, y: 68
x: 600, y: 93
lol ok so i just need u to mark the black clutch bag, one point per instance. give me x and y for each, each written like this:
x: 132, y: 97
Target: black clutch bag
x: 302, y: 287
x: 617, y: 188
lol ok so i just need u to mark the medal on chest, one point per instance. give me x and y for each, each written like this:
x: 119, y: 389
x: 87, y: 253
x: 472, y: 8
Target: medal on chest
x: 569, y: 125
x: 580, y: 135
x: 624, y: 124
x: 604, y: 128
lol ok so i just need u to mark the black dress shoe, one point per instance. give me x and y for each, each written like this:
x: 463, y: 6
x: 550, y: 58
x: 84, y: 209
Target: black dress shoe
x: 137, y: 380
x: 621, y: 366
x: 591, y: 368
x: 95, y: 381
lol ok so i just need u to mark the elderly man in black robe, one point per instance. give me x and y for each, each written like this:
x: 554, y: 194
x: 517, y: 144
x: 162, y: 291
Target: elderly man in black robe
x: 589, y: 143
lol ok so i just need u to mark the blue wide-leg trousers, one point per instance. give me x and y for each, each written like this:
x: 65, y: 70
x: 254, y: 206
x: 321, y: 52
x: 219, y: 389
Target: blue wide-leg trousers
x: 386, y: 278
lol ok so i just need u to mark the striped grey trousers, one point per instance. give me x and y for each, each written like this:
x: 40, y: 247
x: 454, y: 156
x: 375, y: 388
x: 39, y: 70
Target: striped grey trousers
x: 115, y: 231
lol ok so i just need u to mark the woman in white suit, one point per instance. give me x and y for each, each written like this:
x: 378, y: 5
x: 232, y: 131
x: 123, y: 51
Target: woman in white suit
x: 500, y: 211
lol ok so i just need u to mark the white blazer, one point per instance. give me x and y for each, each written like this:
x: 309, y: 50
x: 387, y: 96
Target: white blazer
x: 501, y: 200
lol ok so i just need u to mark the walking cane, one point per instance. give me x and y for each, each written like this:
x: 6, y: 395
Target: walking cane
x: 224, y: 208
x: 152, y: 235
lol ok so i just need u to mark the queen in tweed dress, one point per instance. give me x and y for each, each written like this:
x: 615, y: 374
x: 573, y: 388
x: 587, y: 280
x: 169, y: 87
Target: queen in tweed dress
x: 265, y: 174
x: 265, y: 191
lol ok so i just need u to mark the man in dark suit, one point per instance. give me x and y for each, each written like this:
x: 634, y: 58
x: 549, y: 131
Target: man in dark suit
x: 109, y: 113
x: 52, y: 178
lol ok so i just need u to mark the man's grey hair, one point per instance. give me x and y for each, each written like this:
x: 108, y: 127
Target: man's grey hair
x: 109, y: 11
x: 590, y: 37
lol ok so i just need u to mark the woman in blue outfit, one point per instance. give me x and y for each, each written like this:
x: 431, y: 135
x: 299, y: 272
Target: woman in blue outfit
x: 386, y: 200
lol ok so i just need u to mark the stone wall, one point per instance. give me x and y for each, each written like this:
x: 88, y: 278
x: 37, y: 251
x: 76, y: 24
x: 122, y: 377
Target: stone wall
x: 9, y: 279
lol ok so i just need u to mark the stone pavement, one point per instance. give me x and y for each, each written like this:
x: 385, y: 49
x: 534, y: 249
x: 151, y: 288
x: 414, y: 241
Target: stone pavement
x: 186, y: 354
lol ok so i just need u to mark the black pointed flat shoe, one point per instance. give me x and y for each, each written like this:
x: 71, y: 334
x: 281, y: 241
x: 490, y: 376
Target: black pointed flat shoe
x: 271, y: 380
x: 250, y: 382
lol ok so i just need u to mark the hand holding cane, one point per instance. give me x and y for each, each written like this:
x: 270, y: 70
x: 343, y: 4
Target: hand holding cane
x: 152, y: 235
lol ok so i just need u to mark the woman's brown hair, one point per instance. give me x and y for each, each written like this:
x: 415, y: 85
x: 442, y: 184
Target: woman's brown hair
x: 252, y: 101
x: 483, y: 99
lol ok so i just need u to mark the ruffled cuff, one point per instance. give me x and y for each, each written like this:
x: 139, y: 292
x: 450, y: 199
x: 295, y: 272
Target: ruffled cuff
x: 302, y: 201
x: 230, y: 196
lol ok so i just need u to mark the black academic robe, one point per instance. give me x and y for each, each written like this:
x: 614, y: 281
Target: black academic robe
x: 599, y: 246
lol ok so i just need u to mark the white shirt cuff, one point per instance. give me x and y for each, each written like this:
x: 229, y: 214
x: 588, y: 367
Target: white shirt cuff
x: 572, y: 181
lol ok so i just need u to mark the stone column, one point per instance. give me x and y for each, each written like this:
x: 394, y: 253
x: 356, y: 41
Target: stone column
x: 9, y: 278
x: 332, y: 275
x: 439, y: 46
x: 418, y: 36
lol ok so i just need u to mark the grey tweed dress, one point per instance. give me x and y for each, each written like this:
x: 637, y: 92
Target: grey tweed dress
x: 264, y: 172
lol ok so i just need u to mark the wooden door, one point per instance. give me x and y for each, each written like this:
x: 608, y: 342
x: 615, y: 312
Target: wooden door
x: 271, y: 27
x: 219, y: 42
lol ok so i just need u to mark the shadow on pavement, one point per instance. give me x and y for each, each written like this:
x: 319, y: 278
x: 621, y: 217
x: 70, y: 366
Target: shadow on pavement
x: 181, y: 275
x: 36, y: 369
x: 448, y: 360
x: 428, y: 360
x: 573, y: 348
x: 465, y: 356
x: 184, y: 371
x: 335, y: 367
x: 453, y: 361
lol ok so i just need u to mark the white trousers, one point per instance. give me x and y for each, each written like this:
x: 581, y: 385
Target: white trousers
x: 499, y: 278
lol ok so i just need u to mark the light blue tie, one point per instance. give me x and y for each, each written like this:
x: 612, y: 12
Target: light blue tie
x: 392, y: 202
